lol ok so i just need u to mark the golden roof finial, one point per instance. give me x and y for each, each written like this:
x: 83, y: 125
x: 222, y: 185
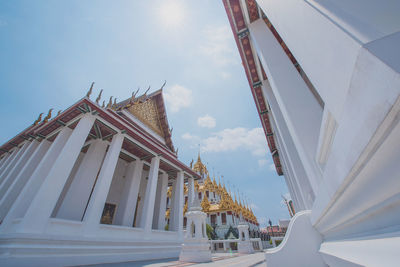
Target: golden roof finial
x: 115, y: 102
x: 165, y: 81
x: 46, y: 119
x: 90, y: 90
x: 205, y: 204
x: 99, y: 96
x: 134, y: 95
x: 103, y: 104
x: 36, y: 122
x: 145, y: 93
x: 109, y: 103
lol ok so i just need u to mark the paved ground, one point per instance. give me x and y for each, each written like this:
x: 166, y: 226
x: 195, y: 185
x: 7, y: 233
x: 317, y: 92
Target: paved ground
x: 219, y: 260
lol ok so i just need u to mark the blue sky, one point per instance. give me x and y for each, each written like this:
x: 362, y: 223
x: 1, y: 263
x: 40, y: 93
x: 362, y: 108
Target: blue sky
x: 50, y: 52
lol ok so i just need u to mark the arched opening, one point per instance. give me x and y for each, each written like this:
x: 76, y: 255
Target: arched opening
x: 193, y: 229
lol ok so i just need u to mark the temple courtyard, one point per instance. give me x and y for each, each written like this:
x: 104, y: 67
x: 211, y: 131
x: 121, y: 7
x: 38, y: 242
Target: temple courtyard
x: 218, y: 259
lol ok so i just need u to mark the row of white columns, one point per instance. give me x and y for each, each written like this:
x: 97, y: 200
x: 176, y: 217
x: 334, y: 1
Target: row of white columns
x: 33, y: 177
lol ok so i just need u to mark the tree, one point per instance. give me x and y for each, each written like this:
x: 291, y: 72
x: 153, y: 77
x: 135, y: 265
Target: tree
x: 210, y: 232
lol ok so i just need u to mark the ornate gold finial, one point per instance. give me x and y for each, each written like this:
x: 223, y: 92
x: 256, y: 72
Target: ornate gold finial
x: 145, y: 93
x: 191, y: 164
x: 90, y: 90
x: 109, y: 103
x: 99, y: 97
x: 165, y: 81
x: 59, y: 112
x: 103, y: 105
x: 38, y: 119
x: 115, y: 103
x: 134, y: 95
x: 205, y: 204
x: 46, y: 119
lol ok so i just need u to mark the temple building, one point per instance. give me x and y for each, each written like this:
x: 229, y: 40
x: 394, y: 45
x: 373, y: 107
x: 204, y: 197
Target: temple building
x: 90, y: 186
x: 222, y: 208
x: 325, y: 78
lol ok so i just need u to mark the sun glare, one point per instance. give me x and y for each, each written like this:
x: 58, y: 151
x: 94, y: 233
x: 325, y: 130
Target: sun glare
x: 172, y: 13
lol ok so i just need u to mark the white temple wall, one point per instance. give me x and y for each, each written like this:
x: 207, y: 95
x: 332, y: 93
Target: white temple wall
x: 117, y: 184
x: 66, y: 188
x: 80, y: 184
x: 303, y: 123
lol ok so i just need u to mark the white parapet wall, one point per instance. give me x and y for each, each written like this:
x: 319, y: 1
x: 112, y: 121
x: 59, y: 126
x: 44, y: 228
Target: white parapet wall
x: 300, y: 245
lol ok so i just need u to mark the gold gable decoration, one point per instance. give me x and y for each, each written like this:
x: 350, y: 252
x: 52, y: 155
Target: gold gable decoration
x: 147, y: 113
x: 205, y: 204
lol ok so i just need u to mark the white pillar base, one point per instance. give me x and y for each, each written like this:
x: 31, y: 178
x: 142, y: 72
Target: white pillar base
x: 300, y: 245
x: 194, y: 250
x: 245, y: 247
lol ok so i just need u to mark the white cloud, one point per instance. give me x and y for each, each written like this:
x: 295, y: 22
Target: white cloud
x: 252, y: 140
x: 262, y: 162
x: 206, y: 121
x: 219, y: 45
x: 178, y: 97
x: 188, y: 136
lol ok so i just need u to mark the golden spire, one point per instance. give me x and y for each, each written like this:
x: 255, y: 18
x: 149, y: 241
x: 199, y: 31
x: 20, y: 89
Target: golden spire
x: 38, y: 119
x: 46, y: 119
x: 205, y: 204
x: 99, y: 96
x: 90, y: 90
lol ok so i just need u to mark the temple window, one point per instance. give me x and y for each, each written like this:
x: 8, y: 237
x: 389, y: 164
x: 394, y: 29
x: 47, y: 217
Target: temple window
x: 199, y: 195
x: 223, y: 218
x: 213, y: 219
x: 208, y: 194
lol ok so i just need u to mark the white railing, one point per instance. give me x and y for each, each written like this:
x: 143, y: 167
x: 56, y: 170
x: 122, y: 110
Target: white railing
x: 231, y: 244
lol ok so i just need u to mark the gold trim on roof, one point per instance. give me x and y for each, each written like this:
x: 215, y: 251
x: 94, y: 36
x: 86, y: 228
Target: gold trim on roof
x: 147, y: 113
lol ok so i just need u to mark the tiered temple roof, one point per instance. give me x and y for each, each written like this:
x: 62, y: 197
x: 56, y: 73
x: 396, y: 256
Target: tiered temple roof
x: 226, y: 202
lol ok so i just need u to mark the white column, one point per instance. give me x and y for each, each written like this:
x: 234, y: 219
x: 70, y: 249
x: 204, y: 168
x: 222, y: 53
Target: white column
x: 10, y: 157
x: 99, y: 196
x: 22, y: 178
x: 163, y: 201
x: 38, y: 213
x: 300, y: 109
x: 12, y: 163
x: 190, y: 191
x: 177, y: 205
x: 30, y: 148
x: 150, y: 196
x: 29, y: 191
x: 75, y: 201
x: 4, y: 159
x: 127, y: 207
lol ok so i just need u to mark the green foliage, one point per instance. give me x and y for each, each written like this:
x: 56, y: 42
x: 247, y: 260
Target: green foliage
x: 234, y: 232
x: 277, y: 242
x: 210, y: 231
x: 166, y: 227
